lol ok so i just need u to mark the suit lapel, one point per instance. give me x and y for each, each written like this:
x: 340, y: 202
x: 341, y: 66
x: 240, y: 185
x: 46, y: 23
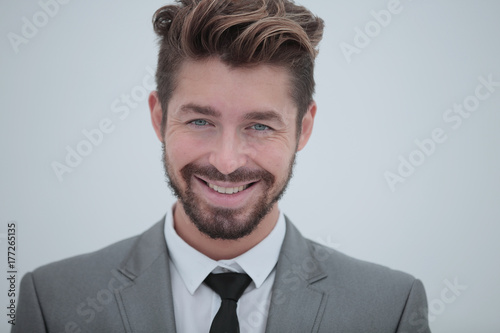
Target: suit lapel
x: 146, y: 303
x: 297, y: 303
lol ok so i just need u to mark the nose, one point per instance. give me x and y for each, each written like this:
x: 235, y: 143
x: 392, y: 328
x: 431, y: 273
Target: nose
x: 228, y: 153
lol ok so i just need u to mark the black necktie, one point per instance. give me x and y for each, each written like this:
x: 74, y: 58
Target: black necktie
x: 230, y: 287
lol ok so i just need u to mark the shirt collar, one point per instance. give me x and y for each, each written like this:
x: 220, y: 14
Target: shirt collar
x: 193, y: 266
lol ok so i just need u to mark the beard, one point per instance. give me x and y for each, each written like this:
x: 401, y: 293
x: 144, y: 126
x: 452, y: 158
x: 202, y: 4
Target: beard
x: 226, y: 223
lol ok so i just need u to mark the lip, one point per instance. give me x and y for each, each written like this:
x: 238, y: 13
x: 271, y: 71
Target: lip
x: 216, y: 199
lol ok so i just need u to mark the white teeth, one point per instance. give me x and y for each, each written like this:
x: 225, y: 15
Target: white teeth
x: 227, y: 190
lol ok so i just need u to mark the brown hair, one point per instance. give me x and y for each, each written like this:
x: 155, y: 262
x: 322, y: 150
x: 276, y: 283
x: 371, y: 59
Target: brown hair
x: 239, y: 33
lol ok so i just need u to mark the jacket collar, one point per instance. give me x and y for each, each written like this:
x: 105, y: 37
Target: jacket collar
x: 297, y: 303
x: 146, y: 303
x: 298, y: 299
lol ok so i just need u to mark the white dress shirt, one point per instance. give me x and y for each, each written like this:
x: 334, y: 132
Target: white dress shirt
x: 195, y: 304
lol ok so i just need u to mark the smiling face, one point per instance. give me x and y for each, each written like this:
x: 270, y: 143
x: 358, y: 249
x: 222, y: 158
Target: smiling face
x: 229, y: 145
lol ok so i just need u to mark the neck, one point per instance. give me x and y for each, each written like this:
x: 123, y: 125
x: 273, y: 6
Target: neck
x: 219, y: 249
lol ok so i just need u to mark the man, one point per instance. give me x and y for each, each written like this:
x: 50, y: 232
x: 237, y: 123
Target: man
x: 234, y: 105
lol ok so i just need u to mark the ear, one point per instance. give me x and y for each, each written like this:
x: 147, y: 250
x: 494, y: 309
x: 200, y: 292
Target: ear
x: 307, y: 126
x: 156, y: 113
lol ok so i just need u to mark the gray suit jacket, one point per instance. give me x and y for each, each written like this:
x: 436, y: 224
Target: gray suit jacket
x: 126, y: 288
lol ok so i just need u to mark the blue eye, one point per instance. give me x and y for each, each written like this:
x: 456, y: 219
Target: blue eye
x: 260, y: 127
x: 199, y: 122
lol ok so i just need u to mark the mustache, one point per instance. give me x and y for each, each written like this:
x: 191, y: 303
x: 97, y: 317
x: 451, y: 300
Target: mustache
x: 239, y: 175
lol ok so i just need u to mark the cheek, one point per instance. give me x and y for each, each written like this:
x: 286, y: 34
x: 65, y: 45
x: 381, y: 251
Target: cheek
x: 274, y: 159
x: 183, y: 149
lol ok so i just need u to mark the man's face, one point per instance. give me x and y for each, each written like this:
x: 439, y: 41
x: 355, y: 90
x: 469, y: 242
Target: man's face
x: 230, y: 143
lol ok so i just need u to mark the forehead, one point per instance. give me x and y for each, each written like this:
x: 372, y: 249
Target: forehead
x: 214, y: 84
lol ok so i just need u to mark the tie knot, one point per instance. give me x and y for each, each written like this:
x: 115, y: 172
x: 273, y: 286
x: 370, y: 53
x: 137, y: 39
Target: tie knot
x: 228, y: 285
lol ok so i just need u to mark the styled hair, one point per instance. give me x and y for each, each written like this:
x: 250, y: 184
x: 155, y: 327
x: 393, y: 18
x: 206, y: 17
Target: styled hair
x: 241, y: 33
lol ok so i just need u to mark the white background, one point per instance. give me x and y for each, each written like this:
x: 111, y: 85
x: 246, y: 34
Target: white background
x: 441, y: 224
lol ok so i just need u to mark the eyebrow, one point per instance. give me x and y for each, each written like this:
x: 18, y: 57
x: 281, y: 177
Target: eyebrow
x: 204, y: 110
x: 268, y: 115
x: 264, y: 115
